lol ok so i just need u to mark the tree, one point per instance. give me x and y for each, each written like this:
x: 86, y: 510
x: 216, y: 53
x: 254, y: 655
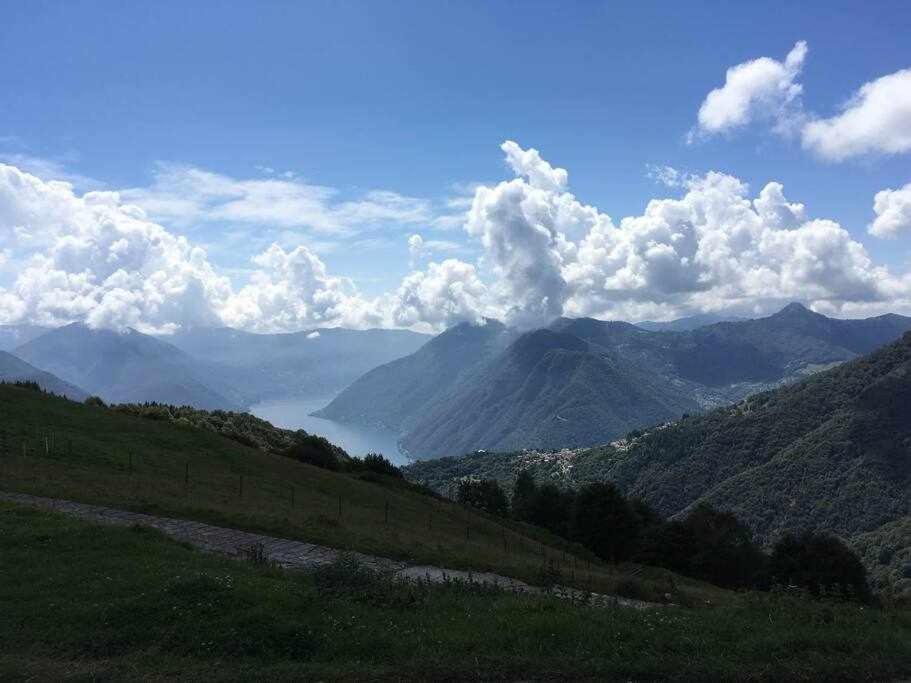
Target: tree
x: 668, y: 544
x: 604, y: 522
x: 484, y: 494
x: 551, y: 508
x: 820, y: 564
x: 523, y: 495
x: 723, y: 548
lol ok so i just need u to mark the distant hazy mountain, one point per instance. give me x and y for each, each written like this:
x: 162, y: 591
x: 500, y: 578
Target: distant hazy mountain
x: 688, y: 323
x: 12, y: 336
x: 583, y: 382
x: 831, y: 452
x: 122, y: 367
x: 398, y: 395
x: 251, y: 367
x: 13, y: 369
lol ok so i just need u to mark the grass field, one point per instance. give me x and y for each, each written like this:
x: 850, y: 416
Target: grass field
x: 86, y: 602
x: 53, y: 447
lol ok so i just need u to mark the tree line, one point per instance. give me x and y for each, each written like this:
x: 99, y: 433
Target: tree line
x: 705, y: 543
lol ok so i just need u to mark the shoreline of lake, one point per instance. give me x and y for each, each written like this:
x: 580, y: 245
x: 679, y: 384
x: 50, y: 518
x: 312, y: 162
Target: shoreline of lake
x: 357, y: 440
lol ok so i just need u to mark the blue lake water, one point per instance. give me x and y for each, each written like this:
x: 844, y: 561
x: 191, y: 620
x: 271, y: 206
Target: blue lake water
x: 294, y: 413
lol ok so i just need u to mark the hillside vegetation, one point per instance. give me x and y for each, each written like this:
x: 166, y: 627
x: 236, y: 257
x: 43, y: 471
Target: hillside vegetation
x: 54, y: 447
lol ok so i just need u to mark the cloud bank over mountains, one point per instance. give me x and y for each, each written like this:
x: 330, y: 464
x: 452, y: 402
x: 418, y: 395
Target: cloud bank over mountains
x: 108, y: 259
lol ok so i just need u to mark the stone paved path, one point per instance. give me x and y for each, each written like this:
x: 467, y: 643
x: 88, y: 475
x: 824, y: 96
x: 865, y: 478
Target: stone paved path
x: 298, y: 554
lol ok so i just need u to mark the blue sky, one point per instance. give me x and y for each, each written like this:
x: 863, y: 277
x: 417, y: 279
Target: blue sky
x: 415, y: 98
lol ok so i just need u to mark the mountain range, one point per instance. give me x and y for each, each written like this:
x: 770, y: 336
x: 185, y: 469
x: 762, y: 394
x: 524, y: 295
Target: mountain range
x: 581, y: 382
x: 122, y: 367
x: 208, y: 368
x: 831, y: 452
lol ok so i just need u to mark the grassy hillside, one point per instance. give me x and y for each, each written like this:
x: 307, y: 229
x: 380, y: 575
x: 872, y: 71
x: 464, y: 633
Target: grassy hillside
x: 53, y: 447
x: 101, y: 603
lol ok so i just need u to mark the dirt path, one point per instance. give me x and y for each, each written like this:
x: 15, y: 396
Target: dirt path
x: 298, y: 554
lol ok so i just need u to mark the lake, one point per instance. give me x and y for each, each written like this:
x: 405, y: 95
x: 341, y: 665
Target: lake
x: 294, y: 413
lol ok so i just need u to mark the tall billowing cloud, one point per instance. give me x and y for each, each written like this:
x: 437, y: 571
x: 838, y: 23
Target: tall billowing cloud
x: 762, y: 88
x: 893, y: 212
x: 876, y: 120
x: 523, y: 226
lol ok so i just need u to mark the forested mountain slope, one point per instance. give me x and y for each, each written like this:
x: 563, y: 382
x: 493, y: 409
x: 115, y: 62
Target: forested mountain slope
x: 831, y: 452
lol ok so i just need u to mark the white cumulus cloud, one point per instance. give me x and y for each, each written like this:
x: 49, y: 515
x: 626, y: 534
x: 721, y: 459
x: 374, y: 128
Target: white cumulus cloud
x: 714, y: 248
x: 762, y: 88
x: 893, y: 212
x: 717, y: 246
x: 95, y: 259
x: 876, y: 120
x: 442, y: 295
